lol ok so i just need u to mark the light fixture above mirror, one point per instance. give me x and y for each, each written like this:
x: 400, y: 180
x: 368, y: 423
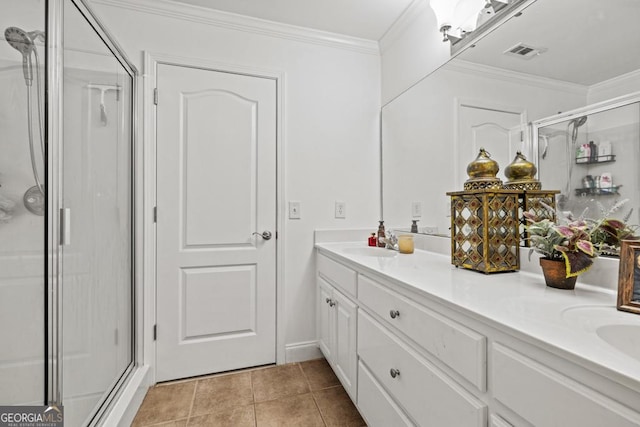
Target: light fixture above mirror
x: 459, y: 18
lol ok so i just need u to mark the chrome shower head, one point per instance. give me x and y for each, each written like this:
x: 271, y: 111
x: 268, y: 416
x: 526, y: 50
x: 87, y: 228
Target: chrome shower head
x: 579, y: 121
x: 22, y: 41
x: 19, y: 40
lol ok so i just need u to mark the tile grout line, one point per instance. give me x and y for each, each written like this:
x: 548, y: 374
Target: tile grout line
x: 193, y: 399
x: 313, y: 396
x: 253, y: 399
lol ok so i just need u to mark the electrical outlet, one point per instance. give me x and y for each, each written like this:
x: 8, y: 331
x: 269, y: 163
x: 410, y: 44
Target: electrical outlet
x: 432, y: 229
x: 416, y: 209
x: 294, y: 210
x: 341, y: 210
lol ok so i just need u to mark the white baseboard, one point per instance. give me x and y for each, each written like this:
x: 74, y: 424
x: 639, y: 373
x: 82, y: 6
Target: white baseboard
x: 301, y: 351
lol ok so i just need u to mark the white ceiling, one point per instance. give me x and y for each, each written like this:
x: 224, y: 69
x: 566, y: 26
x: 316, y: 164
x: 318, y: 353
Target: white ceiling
x: 587, y: 41
x: 366, y: 19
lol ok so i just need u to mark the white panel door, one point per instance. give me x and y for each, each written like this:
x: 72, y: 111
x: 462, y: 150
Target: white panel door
x: 216, y: 180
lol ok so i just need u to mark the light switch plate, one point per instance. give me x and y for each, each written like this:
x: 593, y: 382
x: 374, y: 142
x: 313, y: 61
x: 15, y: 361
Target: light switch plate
x: 341, y: 210
x: 294, y: 210
x: 416, y: 209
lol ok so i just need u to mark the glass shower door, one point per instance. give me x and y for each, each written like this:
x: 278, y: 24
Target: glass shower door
x: 22, y: 231
x: 97, y: 212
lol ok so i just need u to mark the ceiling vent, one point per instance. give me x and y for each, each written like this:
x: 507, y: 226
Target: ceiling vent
x: 524, y: 51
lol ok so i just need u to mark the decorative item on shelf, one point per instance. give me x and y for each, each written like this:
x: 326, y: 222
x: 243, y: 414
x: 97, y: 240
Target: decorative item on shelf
x: 629, y: 277
x: 381, y: 235
x: 482, y: 173
x: 521, y: 174
x: 569, y: 245
x: 484, y: 221
x: 414, y: 226
x: 405, y: 243
x: 484, y: 230
x: 373, y: 241
x: 532, y: 199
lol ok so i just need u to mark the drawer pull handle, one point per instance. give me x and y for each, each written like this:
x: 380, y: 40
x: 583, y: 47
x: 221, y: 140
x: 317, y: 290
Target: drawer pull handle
x: 394, y: 314
x: 328, y: 300
x: 394, y: 373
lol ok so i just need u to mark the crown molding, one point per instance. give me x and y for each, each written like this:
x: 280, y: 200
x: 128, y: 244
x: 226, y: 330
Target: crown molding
x: 514, y: 76
x: 400, y: 25
x: 227, y: 20
x: 622, y: 80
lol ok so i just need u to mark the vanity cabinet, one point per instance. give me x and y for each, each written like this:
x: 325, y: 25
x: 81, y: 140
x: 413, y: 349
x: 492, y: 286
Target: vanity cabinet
x: 336, y: 322
x: 409, y: 359
x: 525, y: 386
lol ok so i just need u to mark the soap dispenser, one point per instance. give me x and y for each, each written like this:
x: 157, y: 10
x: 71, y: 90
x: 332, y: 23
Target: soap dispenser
x: 414, y: 226
x: 381, y: 235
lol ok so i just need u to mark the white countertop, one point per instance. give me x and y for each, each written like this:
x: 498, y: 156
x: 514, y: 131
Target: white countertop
x: 518, y: 303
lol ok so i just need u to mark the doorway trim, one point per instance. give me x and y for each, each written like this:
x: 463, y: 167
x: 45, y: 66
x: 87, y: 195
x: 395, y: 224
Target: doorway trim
x: 151, y: 61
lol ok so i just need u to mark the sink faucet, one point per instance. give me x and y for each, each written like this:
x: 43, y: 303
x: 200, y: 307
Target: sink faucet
x: 391, y: 241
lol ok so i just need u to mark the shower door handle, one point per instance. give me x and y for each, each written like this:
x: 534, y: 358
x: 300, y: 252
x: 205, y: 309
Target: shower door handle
x: 65, y: 226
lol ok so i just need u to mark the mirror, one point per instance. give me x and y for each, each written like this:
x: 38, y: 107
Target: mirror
x: 553, y: 58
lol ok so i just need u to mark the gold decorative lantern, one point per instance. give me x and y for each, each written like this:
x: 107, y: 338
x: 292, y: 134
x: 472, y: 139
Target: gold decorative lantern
x: 482, y: 173
x: 521, y: 176
x: 485, y: 221
x: 485, y: 230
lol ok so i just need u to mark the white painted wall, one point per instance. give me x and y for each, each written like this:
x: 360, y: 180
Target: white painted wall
x: 330, y: 136
x: 412, y: 49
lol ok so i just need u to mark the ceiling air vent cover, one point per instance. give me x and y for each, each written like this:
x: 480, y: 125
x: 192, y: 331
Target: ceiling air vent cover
x: 524, y: 51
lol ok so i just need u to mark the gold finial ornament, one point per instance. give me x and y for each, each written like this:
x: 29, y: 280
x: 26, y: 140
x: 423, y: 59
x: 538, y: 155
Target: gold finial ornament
x: 482, y: 173
x: 520, y: 174
x: 520, y: 169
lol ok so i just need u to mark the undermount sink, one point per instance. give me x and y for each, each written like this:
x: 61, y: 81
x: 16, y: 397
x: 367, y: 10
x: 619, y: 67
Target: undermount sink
x: 371, y: 251
x: 625, y: 338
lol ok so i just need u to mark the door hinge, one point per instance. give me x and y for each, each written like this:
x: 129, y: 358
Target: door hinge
x: 155, y: 96
x: 276, y: 235
x: 155, y: 214
x: 155, y: 332
x: 521, y: 136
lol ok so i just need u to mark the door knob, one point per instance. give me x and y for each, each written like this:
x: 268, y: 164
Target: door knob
x: 394, y: 373
x: 266, y: 235
x: 394, y: 313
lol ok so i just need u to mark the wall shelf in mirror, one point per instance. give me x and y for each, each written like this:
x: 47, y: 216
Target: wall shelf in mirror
x: 610, y: 191
x: 600, y: 159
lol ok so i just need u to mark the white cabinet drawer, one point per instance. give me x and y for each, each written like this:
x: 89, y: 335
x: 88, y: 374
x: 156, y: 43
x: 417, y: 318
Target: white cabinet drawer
x: 460, y: 348
x: 427, y: 395
x: 375, y: 404
x: 337, y: 274
x: 545, y: 397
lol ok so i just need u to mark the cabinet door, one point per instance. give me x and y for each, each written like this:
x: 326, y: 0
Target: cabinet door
x: 325, y: 321
x: 344, y: 352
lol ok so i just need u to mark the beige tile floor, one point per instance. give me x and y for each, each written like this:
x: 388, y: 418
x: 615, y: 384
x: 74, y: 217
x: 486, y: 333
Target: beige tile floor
x: 306, y: 394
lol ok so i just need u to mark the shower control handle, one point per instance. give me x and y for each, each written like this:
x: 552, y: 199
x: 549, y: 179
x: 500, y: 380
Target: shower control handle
x: 266, y: 235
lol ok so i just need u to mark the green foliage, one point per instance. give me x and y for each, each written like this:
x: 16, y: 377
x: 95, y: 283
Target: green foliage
x: 577, y: 241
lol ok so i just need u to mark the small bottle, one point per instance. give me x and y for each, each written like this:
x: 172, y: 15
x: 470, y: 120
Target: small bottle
x: 414, y: 225
x: 381, y: 235
x: 593, y: 151
x: 373, y: 240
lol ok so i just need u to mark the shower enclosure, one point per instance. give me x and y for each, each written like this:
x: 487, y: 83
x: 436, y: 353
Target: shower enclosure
x: 66, y: 210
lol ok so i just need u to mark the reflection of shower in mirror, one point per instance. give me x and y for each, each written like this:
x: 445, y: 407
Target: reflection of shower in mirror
x: 24, y: 42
